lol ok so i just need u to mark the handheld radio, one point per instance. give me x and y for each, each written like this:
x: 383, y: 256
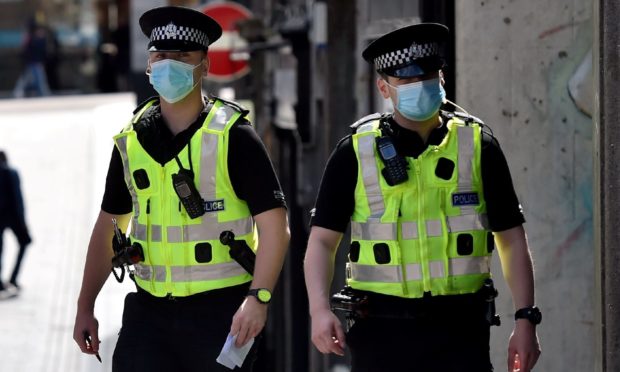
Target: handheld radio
x: 395, y: 170
x: 184, y: 187
x: 183, y: 183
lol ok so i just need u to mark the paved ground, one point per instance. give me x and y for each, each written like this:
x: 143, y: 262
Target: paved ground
x: 61, y: 146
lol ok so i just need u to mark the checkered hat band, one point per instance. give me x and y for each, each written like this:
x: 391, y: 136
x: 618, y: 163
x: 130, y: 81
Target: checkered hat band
x: 407, y: 55
x: 181, y: 33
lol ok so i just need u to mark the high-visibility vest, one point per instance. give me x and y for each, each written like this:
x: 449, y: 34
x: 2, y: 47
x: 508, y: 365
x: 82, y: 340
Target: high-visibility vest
x: 428, y: 234
x: 184, y: 256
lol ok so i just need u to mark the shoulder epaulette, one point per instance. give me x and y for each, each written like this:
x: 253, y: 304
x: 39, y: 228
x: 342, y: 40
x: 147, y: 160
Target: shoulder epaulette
x: 235, y: 105
x: 144, y: 103
x: 366, y: 119
x: 467, y: 118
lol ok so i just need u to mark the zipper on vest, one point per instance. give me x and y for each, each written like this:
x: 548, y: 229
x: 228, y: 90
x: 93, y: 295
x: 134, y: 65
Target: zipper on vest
x: 164, y: 240
x: 399, y: 253
x: 422, y: 229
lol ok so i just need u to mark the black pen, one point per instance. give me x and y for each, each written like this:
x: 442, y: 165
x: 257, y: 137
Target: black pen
x: 88, y: 341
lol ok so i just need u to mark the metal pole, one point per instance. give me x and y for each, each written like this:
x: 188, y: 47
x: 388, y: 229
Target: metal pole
x: 607, y: 183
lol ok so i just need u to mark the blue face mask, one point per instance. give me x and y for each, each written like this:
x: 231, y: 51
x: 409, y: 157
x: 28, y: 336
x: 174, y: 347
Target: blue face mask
x: 173, y: 80
x: 421, y: 100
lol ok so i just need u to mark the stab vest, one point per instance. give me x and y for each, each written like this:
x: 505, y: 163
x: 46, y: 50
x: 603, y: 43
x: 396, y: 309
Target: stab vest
x: 428, y: 234
x: 184, y: 256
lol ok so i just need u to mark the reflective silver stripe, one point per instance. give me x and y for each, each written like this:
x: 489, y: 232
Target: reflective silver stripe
x: 393, y: 273
x: 175, y: 234
x: 466, y: 155
x: 433, y: 228
x: 373, y: 231
x: 209, y: 230
x: 409, y: 230
x: 206, y: 272
x: 460, y: 266
x: 436, y: 269
x: 134, y: 227
x: 155, y: 233
x: 210, y: 141
x: 189, y: 273
x: 122, y: 149
x: 373, y: 273
x: 146, y: 272
x: 191, y: 233
x: 208, y: 171
x: 208, y: 164
x: 370, y: 173
x: 369, y: 126
x: 221, y: 116
x: 140, y: 232
x: 467, y: 222
x: 470, y: 265
x: 383, y: 273
x: 414, y: 272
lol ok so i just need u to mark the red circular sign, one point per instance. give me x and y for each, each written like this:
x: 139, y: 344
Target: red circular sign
x: 223, y: 68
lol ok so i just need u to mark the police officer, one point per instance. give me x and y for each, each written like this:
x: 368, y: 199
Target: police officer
x: 184, y: 170
x: 425, y: 192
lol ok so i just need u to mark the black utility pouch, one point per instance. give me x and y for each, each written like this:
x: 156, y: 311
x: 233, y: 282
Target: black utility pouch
x: 350, y: 302
x: 488, y: 294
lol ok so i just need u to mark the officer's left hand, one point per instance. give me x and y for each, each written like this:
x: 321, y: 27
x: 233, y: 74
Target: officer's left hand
x: 523, y: 347
x: 248, y: 321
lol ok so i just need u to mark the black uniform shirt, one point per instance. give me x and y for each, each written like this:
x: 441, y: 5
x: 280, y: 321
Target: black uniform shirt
x: 335, y: 202
x: 251, y: 173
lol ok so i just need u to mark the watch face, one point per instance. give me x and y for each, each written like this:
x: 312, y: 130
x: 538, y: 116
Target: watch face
x: 264, y: 295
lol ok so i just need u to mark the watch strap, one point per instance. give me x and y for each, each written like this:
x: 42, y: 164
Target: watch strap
x: 531, y: 313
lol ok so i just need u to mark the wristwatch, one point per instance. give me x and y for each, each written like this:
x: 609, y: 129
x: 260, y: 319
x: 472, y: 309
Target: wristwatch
x: 263, y: 295
x: 532, y: 314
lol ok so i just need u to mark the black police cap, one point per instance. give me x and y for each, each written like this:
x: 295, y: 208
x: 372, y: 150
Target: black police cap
x: 179, y: 29
x: 409, y: 51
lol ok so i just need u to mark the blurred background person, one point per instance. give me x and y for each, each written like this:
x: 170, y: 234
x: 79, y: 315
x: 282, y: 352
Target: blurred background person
x: 52, y: 58
x: 34, y: 57
x: 12, y: 216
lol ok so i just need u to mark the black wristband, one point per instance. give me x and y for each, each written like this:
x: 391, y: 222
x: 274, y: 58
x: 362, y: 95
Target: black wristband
x: 531, y: 313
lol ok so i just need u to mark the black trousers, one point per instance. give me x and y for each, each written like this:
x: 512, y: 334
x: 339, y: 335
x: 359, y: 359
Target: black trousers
x: 182, y: 334
x: 446, y: 339
x: 23, y: 239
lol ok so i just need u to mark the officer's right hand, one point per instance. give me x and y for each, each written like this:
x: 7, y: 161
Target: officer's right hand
x: 327, y: 333
x: 86, y: 324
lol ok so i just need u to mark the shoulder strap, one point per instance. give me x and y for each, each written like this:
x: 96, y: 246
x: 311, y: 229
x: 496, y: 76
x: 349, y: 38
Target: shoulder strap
x: 237, y: 106
x: 222, y: 115
x: 138, y: 112
x: 467, y: 118
x: 150, y: 100
x: 372, y: 117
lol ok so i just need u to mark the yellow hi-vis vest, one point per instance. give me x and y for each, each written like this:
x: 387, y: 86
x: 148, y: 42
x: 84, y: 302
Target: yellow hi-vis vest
x: 184, y: 256
x: 427, y: 234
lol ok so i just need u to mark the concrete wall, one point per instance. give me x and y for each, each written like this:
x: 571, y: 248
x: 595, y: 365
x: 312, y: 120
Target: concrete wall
x: 514, y: 63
